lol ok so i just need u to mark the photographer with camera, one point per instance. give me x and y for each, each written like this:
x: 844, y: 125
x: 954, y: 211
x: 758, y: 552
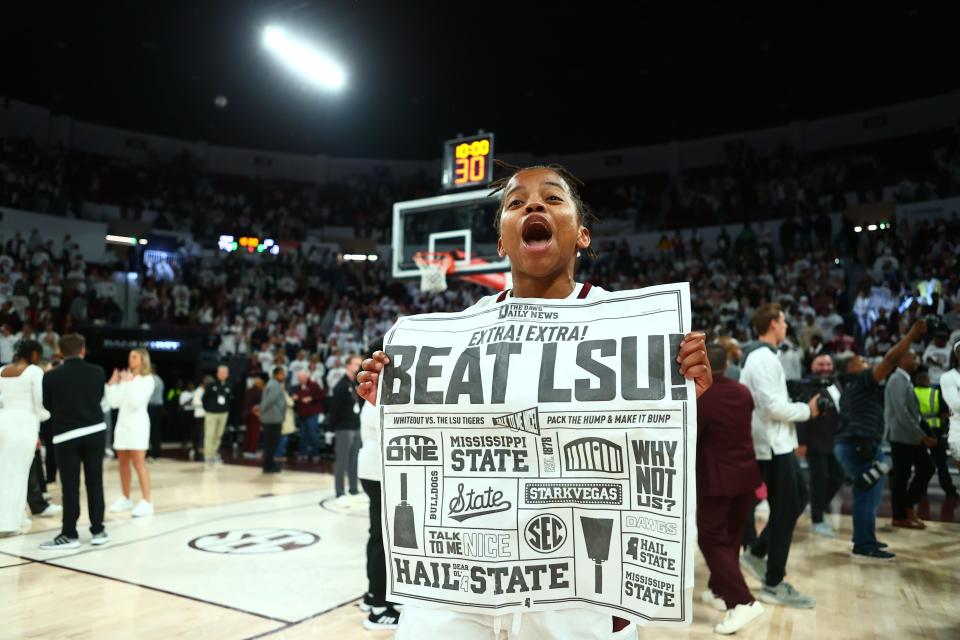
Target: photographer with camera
x: 909, y: 442
x: 775, y: 442
x: 826, y: 474
x: 858, y: 441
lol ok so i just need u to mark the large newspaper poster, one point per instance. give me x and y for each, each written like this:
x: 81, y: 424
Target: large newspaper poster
x: 540, y: 454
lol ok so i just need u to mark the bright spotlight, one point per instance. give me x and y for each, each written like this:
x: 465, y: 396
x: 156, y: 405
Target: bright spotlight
x: 858, y: 229
x: 303, y: 59
x: 871, y: 227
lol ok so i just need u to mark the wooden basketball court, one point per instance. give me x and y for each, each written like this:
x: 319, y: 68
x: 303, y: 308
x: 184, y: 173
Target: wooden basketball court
x: 185, y: 573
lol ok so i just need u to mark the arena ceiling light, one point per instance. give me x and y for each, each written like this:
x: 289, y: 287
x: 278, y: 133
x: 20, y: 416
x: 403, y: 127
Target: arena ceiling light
x: 124, y: 240
x: 304, y: 59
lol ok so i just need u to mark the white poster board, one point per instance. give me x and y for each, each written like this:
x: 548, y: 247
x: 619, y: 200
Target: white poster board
x: 540, y: 454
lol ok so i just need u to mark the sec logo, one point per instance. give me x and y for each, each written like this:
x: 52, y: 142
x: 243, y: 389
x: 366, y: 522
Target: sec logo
x: 250, y: 541
x: 545, y: 533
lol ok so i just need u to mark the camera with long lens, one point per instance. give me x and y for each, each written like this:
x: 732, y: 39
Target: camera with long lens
x: 804, y: 389
x: 872, y: 475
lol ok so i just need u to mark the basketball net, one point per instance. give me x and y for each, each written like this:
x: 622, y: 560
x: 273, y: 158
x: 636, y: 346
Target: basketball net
x: 434, y: 268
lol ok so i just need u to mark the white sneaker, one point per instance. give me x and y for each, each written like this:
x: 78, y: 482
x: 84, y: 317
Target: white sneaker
x: 824, y: 529
x: 123, y: 503
x: 100, y: 539
x: 142, y: 509
x: 359, y: 498
x: 711, y: 599
x: 739, y: 617
x: 345, y: 501
x: 50, y: 511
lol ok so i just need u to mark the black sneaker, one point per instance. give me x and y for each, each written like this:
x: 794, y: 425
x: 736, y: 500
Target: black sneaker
x: 882, y: 545
x: 60, y: 542
x: 387, y: 618
x: 873, y: 554
x: 366, y: 605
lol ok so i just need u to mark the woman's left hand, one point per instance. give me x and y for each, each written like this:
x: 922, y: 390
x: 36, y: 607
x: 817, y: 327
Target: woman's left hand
x: 694, y: 364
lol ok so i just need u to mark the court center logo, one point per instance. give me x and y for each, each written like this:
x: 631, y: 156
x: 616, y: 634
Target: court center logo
x: 253, y: 541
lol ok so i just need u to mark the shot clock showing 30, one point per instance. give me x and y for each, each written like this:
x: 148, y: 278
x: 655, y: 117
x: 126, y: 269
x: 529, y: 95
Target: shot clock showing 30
x: 468, y: 162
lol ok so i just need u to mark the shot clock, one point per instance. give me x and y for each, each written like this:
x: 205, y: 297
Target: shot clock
x: 468, y: 162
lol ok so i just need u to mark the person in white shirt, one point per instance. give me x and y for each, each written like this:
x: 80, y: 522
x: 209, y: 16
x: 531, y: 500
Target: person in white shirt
x: 791, y: 359
x: 130, y: 392
x: 547, y: 198
x: 334, y: 373
x: 775, y: 441
x: 199, y: 415
x: 7, y: 342
x: 266, y: 357
x: 829, y: 321
x: 936, y: 357
x: 300, y: 364
x: 317, y: 372
x: 950, y: 392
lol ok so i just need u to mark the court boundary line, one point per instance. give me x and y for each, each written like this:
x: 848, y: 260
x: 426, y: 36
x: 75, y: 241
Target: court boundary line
x: 314, y: 616
x: 148, y: 587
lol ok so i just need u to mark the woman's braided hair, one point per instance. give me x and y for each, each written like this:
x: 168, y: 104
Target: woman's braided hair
x: 586, y: 217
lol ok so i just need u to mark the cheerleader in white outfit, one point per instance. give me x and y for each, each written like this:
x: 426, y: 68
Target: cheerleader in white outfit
x: 21, y: 412
x: 130, y: 391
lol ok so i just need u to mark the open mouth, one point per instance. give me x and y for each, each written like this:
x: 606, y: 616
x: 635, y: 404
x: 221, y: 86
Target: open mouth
x: 536, y: 233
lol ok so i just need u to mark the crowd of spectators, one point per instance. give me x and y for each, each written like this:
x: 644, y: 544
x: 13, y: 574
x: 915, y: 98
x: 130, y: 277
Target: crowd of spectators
x: 750, y: 187
x: 47, y: 289
x: 841, y: 290
x: 177, y: 194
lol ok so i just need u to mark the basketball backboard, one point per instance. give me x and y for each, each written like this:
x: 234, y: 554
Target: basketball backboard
x: 457, y: 222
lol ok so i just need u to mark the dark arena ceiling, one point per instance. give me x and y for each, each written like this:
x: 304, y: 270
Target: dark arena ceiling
x: 545, y: 77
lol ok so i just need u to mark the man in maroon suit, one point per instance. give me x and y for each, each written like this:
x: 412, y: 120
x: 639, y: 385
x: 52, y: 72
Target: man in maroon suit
x: 308, y: 398
x: 727, y: 475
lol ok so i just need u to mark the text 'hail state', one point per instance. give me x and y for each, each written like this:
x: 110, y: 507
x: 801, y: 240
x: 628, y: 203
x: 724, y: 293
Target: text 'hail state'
x: 412, y: 371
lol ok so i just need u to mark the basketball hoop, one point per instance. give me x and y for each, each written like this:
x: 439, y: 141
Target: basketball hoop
x: 434, y: 268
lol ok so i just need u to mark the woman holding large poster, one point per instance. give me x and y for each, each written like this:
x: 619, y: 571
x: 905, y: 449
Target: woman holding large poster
x: 543, y: 226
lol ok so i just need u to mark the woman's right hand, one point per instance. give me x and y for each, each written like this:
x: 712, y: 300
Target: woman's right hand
x: 115, y: 378
x: 369, y: 376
